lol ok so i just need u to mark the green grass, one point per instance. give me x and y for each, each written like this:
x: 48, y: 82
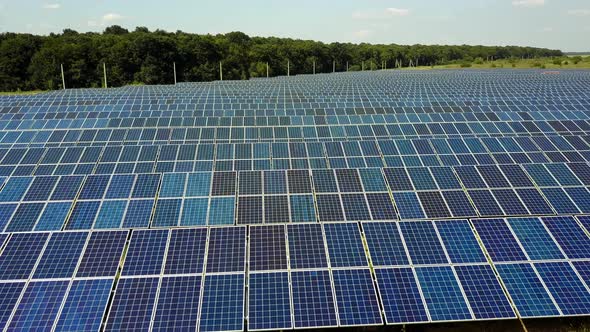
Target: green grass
x: 543, y: 63
x: 20, y: 93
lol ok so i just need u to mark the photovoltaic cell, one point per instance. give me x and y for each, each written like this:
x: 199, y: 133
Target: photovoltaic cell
x: 9, y: 295
x: 60, y: 257
x: 227, y: 249
x: 39, y: 306
x: 442, y: 293
x: 186, y: 251
x: 102, y: 255
x: 569, y: 235
x: 422, y: 242
x: 178, y: 304
x: 20, y: 255
x: 567, y: 289
x: 460, y: 242
x: 385, y: 244
x: 345, y: 245
x: 268, y: 249
x: 306, y: 246
x: 534, y: 238
x: 145, y: 253
x: 498, y: 240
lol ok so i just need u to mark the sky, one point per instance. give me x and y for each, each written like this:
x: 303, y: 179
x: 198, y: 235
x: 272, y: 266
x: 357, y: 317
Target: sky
x: 556, y: 24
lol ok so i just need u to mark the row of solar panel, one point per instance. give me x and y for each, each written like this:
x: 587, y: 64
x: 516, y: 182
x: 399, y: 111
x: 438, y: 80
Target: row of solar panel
x: 421, y: 293
x: 41, y: 132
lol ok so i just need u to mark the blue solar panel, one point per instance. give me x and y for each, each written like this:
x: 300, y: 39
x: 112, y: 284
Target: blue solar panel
x: 483, y: 291
x: 400, y: 296
x: 408, y: 205
x: 9, y: 295
x: 61, y: 256
x: 268, y: 249
x: 569, y: 235
x: 345, y: 245
x: 498, y: 240
x: 20, y: 255
x: 313, y: 304
x: 132, y: 305
x: 227, y: 249
x: 39, y: 306
x: 356, y: 298
x: 535, y: 238
x: 103, y: 254
x: 526, y: 290
x: 223, y: 303
x: 306, y: 246
x: 567, y: 289
x: 186, y: 251
x: 269, y: 302
x: 385, y: 244
x: 442, y: 294
x: 145, y: 253
x: 460, y: 242
x: 422, y: 242
x: 178, y: 304
x: 85, y: 305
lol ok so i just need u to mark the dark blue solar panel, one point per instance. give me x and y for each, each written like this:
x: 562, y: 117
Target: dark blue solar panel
x: 422, y: 242
x: 186, y: 251
x: 526, y: 290
x: 483, y: 291
x: 227, y: 249
x: 146, y: 186
x: 408, y: 205
x: 567, y: 289
x: 442, y: 294
x: 145, y: 253
x: 138, y: 213
x: 330, y: 208
x: 39, y: 306
x: 356, y: 298
x: 385, y: 244
x: 20, y: 255
x: 269, y: 303
x: 306, y: 246
x: 268, y: 249
x: 345, y: 245
x: 569, y: 235
x: 534, y: 238
x: 223, y: 294
x: 120, y: 186
x: 85, y: 305
x: 460, y: 242
x: 103, y: 254
x: 132, y: 305
x: 61, y: 255
x: 400, y: 296
x: 485, y: 203
x: 534, y: 202
x: 178, y: 304
x: 9, y: 295
x: 398, y: 179
x: 313, y: 304
x: 355, y: 207
x: 498, y: 240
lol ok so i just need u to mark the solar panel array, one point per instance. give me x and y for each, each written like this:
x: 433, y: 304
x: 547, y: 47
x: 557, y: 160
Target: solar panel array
x: 351, y: 199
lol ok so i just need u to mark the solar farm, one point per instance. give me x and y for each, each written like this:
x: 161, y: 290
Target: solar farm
x: 333, y: 200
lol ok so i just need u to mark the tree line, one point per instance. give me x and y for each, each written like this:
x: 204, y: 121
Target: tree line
x: 32, y: 62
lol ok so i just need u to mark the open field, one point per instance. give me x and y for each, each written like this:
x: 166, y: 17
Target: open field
x: 541, y: 63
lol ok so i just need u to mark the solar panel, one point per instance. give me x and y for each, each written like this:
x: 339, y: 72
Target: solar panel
x: 145, y: 253
x: 269, y: 301
x: 102, y: 255
x: 39, y: 306
x: 498, y: 240
x: 186, y: 251
x: 222, y: 307
x: 227, y: 249
x: 306, y: 246
x: 313, y: 303
x: 385, y: 244
x: 442, y: 294
x: 85, y: 305
x: 60, y: 257
x: 355, y: 297
x: 178, y: 303
x: 459, y: 241
x: 20, y: 255
x: 9, y: 296
x: 423, y: 243
x: 568, y: 291
x: 132, y: 305
x: 268, y: 249
x: 345, y: 246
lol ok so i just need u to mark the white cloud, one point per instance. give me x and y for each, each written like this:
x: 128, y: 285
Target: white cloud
x: 397, y: 11
x: 362, y: 33
x: 579, y: 12
x: 380, y: 14
x: 112, y: 17
x: 106, y: 19
x: 52, y: 6
x: 547, y: 29
x: 528, y: 3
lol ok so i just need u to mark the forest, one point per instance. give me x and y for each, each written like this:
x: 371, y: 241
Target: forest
x: 141, y: 56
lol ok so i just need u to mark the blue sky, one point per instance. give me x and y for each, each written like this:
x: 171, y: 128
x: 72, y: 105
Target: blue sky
x: 562, y: 24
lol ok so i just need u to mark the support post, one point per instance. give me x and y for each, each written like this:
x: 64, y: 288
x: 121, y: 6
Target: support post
x: 288, y: 68
x: 346, y: 65
x: 63, y: 78
x: 334, y: 66
x: 174, y: 66
x: 220, y: 71
x: 267, y: 70
x: 314, y: 67
x: 104, y: 69
x: 363, y: 66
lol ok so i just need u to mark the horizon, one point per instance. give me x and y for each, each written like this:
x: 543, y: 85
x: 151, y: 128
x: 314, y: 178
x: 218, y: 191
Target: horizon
x: 535, y: 23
